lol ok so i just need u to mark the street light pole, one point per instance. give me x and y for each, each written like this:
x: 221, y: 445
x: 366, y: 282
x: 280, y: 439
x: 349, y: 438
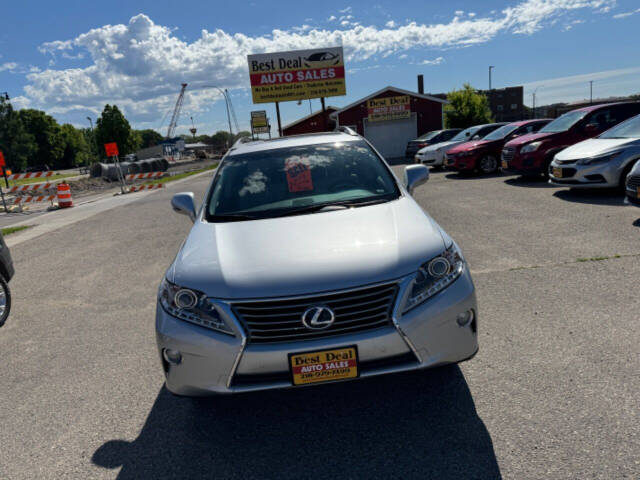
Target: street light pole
x: 534, y: 100
x: 491, y: 67
x: 226, y: 102
x: 590, y: 91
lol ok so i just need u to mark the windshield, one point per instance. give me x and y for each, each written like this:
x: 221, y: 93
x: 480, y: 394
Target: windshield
x: 463, y: 134
x: 501, y: 132
x: 563, y: 122
x: 274, y: 182
x: 627, y: 129
x: 428, y: 136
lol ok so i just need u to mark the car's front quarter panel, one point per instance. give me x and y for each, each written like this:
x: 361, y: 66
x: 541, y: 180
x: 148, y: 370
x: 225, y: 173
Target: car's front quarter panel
x: 432, y: 329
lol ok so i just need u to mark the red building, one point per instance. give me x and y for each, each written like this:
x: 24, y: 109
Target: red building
x: 315, y: 122
x: 390, y: 117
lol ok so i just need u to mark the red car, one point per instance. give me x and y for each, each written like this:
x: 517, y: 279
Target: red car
x: 532, y: 154
x: 484, y: 155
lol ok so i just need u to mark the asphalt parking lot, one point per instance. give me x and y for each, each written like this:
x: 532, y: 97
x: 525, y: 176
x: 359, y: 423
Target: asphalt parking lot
x: 552, y: 393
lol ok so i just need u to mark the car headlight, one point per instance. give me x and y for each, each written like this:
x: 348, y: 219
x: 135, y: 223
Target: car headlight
x: 466, y: 153
x: 598, y: 159
x: 434, y: 276
x: 530, y: 147
x: 191, y: 306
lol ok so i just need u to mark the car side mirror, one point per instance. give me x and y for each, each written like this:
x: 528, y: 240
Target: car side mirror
x: 414, y: 176
x: 591, y: 129
x: 183, y: 203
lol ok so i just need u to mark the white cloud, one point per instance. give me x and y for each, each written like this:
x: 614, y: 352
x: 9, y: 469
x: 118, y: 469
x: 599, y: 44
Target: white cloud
x: 435, y: 61
x: 9, y: 66
x: 626, y: 14
x: 140, y: 65
x: 332, y: 18
x: 390, y: 24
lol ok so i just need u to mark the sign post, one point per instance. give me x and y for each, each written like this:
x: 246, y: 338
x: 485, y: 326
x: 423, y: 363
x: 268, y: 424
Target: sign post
x: 296, y: 75
x: 111, y: 149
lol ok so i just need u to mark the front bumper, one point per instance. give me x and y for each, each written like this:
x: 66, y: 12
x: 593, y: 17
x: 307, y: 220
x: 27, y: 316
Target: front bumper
x: 433, y: 159
x: 461, y: 163
x: 584, y: 176
x: 214, y: 363
x: 524, y: 163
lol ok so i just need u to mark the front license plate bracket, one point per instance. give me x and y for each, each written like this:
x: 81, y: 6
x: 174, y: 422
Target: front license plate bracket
x: 319, y: 366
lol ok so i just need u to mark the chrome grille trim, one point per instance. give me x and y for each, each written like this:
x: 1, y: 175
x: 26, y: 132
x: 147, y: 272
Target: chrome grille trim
x: 633, y: 181
x: 280, y: 319
x: 508, y: 153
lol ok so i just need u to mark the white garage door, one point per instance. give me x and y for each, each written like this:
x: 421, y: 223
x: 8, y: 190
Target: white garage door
x: 390, y: 138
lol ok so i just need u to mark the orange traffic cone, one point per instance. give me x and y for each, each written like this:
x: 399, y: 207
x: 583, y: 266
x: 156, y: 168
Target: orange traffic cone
x: 64, y: 196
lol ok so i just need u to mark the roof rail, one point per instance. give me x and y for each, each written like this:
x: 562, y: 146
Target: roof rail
x: 347, y: 130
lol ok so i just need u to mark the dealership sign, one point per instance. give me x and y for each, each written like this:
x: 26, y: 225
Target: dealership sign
x: 296, y: 75
x: 389, y: 108
x: 259, y: 122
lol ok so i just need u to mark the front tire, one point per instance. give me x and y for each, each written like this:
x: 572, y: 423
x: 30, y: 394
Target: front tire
x: 5, y: 300
x: 488, y: 164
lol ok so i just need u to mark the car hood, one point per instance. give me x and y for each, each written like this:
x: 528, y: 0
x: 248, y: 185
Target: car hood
x: 462, y: 147
x: 531, y: 137
x: 438, y: 146
x: 594, y: 147
x: 301, y: 254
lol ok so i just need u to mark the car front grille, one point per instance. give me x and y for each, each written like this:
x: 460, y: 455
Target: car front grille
x: 271, y: 321
x: 565, y: 162
x: 508, y: 153
x: 633, y: 181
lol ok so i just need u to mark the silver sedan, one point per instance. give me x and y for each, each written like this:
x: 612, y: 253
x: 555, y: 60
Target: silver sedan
x: 600, y: 162
x: 309, y: 262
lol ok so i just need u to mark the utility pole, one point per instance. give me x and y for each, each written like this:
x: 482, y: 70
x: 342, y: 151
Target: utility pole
x: 94, y: 144
x: 590, y: 91
x: 491, y: 67
x: 534, y: 104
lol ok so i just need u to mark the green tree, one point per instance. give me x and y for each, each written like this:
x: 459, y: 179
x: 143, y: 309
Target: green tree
x: 466, y: 108
x: 112, y: 126
x: 16, y: 143
x: 222, y: 140
x: 48, y: 137
x: 149, y: 138
x: 76, y: 151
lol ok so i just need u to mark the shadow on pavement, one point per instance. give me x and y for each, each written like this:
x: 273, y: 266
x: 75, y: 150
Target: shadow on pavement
x: 412, y: 425
x: 595, y: 196
x: 471, y: 175
x: 529, y: 182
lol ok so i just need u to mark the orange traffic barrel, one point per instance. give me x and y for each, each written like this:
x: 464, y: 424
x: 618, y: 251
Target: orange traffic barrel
x: 64, y: 196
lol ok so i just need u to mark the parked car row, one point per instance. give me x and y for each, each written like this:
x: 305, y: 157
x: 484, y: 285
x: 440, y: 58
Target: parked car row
x: 591, y: 147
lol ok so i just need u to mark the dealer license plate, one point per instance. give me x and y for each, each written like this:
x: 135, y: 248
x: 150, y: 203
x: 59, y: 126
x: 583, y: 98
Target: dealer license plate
x: 557, y: 172
x: 505, y: 164
x: 323, y: 365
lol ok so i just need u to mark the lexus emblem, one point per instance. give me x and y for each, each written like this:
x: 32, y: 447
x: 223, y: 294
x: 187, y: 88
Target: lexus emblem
x: 318, y: 318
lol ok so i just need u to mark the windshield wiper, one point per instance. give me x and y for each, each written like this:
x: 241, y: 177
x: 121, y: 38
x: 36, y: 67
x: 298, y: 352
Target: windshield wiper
x: 320, y: 206
x: 230, y: 217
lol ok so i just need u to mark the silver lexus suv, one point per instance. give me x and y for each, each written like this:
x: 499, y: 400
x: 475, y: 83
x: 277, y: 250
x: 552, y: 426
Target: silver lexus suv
x: 309, y: 262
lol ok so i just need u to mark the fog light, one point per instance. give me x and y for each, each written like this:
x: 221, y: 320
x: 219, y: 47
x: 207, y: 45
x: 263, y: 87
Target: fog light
x: 172, y: 356
x: 464, y: 318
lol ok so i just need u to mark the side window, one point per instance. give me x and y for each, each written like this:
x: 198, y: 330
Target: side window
x: 604, y: 118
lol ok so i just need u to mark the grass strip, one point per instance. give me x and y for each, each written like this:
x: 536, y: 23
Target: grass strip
x: 9, y: 230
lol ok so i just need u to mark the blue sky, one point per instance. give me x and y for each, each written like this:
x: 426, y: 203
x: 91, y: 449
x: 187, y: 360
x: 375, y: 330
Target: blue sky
x: 71, y: 57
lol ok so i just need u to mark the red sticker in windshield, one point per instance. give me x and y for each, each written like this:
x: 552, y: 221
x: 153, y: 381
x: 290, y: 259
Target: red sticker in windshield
x: 298, y: 175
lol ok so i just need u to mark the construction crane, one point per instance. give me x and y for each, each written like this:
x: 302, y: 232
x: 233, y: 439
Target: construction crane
x: 176, y: 113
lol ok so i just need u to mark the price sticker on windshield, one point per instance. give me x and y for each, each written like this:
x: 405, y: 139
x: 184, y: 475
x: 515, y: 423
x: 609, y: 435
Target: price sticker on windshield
x: 298, y: 174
